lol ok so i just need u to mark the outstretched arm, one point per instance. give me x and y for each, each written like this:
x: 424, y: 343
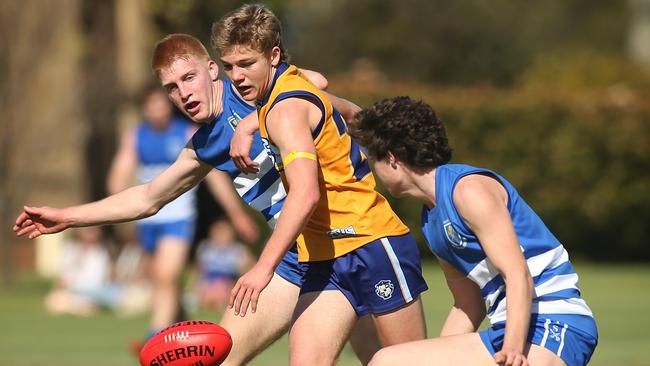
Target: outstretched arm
x: 289, y: 125
x: 222, y: 188
x: 133, y: 203
x: 482, y: 203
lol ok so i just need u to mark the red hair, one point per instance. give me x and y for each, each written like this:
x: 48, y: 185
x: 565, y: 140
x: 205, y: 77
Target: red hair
x: 177, y: 46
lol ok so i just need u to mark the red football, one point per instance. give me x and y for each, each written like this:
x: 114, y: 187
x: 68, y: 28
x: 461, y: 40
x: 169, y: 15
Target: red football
x: 189, y: 343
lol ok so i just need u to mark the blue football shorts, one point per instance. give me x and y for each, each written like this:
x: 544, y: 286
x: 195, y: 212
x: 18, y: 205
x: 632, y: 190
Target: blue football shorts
x: 378, y: 277
x: 572, y: 337
x: 150, y: 234
x: 289, y: 268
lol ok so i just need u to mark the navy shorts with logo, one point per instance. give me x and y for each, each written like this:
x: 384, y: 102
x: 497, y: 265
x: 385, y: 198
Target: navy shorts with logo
x: 378, y: 277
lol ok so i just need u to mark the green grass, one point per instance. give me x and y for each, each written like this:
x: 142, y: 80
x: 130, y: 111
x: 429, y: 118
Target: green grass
x: 618, y: 295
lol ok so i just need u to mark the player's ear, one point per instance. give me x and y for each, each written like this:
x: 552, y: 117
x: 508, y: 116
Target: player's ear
x: 213, y: 69
x: 275, y: 56
x: 392, y: 159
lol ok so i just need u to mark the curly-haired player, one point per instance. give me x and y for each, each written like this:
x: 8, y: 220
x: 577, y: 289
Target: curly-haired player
x: 499, y: 258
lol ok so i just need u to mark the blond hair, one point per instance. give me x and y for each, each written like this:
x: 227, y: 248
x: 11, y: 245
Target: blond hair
x: 177, y: 46
x: 251, y: 25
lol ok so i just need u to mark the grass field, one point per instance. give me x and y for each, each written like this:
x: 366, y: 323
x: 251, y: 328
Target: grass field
x: 618, y: 295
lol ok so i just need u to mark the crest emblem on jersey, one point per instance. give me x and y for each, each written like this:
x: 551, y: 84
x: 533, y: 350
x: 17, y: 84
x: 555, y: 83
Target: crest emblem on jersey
x: 233, y: 120
x: 384, y: 289
x: 457, y: 241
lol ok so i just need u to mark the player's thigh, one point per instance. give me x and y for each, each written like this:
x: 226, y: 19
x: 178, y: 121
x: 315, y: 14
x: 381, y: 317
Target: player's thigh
x: 540, y: 356
x: 404, y: 324
x: 364, y: 339
x: 321, y: 325
x: 170, y: 258
x: 459, y: 350
x: 256, y: 331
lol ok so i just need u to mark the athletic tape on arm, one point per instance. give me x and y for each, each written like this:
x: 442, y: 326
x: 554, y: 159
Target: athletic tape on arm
x: 297, y: 154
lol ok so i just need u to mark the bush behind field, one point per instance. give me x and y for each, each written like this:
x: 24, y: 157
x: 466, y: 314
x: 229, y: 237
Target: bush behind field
x: 577, y: 150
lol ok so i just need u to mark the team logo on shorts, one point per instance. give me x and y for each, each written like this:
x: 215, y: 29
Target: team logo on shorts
x: 555, y: 332
x: 384, y: 289
x: 457, y: 241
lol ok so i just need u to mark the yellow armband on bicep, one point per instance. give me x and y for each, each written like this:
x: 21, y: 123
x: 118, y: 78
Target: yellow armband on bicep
x: 295, y: 155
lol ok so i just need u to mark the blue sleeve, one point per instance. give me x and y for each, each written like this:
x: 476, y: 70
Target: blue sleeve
x: 212, y: 145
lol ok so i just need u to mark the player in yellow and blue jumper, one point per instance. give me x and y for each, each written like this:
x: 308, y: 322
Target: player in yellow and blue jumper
x: 358, y: 257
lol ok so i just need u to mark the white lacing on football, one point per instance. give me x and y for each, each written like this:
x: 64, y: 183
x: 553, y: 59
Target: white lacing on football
x: 178, y: 336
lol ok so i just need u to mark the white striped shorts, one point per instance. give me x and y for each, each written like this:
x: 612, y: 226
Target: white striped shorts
x: 572, y: 337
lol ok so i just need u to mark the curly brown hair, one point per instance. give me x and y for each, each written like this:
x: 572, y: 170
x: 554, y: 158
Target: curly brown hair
x: 408, y: 129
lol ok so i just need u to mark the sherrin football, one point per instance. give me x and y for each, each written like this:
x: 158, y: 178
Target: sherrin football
x: 188, y: 343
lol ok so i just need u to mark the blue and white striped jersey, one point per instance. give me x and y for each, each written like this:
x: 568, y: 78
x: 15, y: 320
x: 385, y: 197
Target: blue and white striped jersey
x: 156, y: 151
x: 263, y: 191
x: 556, y: 282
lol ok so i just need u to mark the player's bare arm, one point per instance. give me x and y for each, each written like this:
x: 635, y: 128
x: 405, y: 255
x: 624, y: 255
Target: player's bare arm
x: 221, y: 186
x: 318, y: 79
x: 242, y: 139
x: 468, y: 309
x: 482, y: 203
x: 346, y: 108
x: 120, y: 175
x: 289, y: 124
x: 131, y: 204
x: 241, y: 143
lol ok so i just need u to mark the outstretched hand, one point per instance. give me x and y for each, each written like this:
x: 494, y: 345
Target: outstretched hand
x: 248, y: 288
x: 37, y: 221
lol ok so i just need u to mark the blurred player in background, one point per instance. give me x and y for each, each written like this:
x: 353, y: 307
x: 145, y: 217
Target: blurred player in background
x: 220, y: 260
x: 357, y: 256
x: 190, y: 78
x: 84, y: 270
x: 88, y: 280
x: 147, y: 150
x: 497, y: 255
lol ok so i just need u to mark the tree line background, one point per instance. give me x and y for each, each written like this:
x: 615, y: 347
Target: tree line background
x: 554, y: 95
